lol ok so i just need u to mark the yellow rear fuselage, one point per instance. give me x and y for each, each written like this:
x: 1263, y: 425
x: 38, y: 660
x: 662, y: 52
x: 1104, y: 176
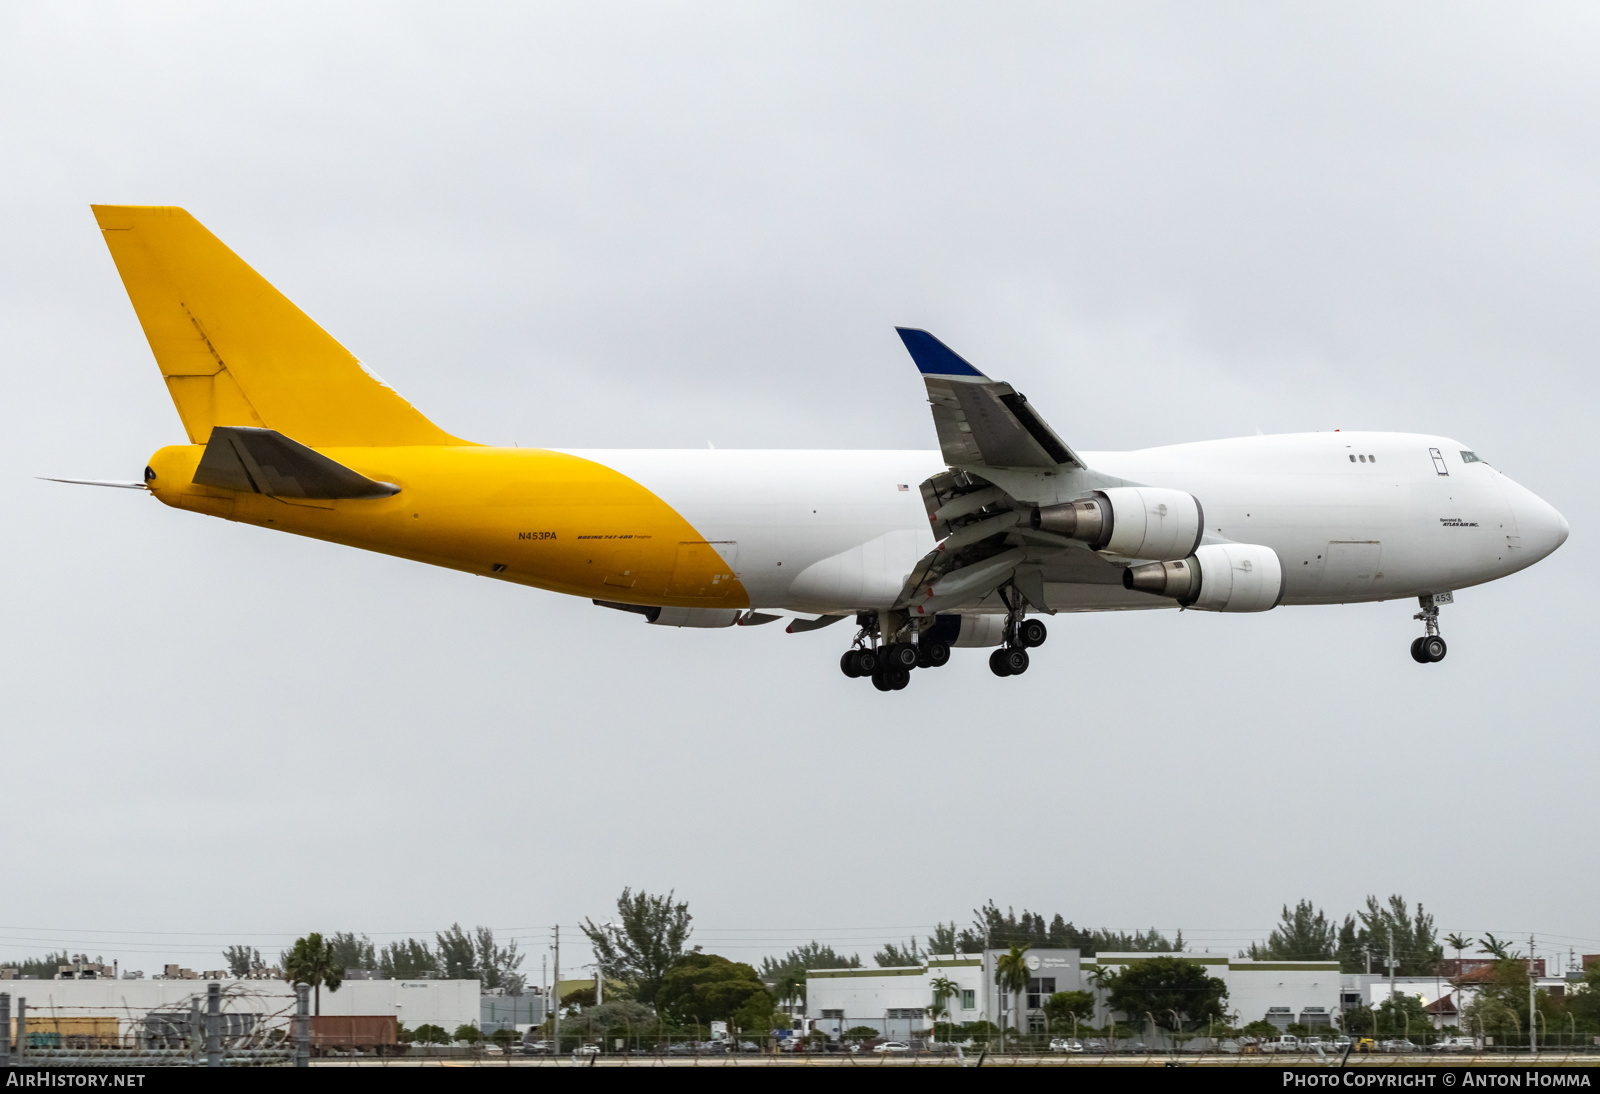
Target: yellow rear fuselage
x: 525, y: 515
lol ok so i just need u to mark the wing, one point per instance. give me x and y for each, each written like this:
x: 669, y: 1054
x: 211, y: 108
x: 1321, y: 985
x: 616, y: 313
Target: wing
x: 987, y: 543
x: 981, y: 422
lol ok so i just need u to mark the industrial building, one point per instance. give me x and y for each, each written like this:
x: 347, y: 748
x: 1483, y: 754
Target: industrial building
x: 445, y: 1003
x: 896, y: 1001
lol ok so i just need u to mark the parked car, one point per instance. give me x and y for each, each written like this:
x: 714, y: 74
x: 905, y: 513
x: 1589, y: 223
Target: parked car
x: 1454, y: 1044
x: 538, y: 1048
x: 1339, y: 1044
x: 1286, y: 1043
x: 1132, y: 1048
x: 1065, y: 1044
x: 1094, y: 1044
x: 893, y: 1046
x: 586, y: 1050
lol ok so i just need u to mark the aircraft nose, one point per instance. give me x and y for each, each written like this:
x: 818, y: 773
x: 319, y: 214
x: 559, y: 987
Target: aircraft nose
x: 1541, y: 527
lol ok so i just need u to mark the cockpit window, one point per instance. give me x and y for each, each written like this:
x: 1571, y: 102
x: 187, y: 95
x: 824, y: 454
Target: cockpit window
x: 1470, y: 457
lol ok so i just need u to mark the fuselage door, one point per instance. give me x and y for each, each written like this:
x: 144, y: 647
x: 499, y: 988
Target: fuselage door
x: 1438, y: 461
x: 1351, y: 567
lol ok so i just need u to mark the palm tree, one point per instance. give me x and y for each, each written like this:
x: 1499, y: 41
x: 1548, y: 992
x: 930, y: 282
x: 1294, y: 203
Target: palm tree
x: 1105, y: 979
x: 1011, y: 972
x: 791, y: 986
x: 312, y: 962
x: 1457, y: 943
x: 1497, y: 948
x: 943, y: 988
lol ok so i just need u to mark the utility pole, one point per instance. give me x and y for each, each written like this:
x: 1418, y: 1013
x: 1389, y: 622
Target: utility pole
x: 556, y: 1022
x: 1391, y: 971
x: 1533, y: 1014
x: 1366, y: 952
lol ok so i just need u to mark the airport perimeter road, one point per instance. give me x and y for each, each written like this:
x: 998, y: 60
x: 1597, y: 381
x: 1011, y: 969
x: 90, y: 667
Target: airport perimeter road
x: 1420, y: 1060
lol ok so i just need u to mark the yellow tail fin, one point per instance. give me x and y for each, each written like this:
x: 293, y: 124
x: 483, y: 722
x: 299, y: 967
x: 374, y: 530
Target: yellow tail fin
x: 234, y: 350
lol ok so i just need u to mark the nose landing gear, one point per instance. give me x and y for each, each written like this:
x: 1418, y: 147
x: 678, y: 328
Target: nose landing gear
x: 1430, y: 647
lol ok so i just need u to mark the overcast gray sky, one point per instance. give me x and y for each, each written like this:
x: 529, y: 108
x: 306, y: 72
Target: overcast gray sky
x: 662, y: 224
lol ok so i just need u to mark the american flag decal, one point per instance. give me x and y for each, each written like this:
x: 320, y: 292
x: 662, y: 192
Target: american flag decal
x: 902, y: 487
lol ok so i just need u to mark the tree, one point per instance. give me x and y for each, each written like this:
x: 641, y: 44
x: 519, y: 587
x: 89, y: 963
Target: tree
x: 497, y: 965
x: 647, y: 939
x: 1064, y: 1006
x: 241, y: 959
x: 943, y: 939
x: 893, y: 956
x: 1458, y: 943
x: 1401, y: 1015
x: 353, y: 952
x: 943, y: 988
x: 44, y: 968
x: 704, y: 987
x: 1159, y: 986
x: 1498, y: 949
x: 1260, y: 1030
x: 755, y: 1014
x: 311, y: 961
x: 429, y: 1034
x: 469, y: 1033
x: 1416, y: 948
x: 408, y: 960
x: 1011, y: 973
x: 503, y: 1038
x: 1304, y: 934
x: 790, y: 986
x: 812, y: 955
x: 578, y: 999
x: 862, y: 1033
x: 457, y: 956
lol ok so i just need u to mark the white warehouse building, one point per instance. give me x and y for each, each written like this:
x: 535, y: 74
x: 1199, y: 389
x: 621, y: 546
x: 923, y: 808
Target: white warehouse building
x: 896, y: 1001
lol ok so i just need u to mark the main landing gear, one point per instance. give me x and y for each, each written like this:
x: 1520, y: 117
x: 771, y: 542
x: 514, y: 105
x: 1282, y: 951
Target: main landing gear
x: 1430, y: 647
x: 1011, y: 659
x: 889, y: 664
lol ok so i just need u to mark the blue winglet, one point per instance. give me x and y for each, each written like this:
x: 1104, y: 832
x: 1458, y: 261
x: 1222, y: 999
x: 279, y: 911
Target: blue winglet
x: 932, y: 356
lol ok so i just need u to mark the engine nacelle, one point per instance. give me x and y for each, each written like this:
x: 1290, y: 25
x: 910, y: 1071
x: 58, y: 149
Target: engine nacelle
x: 967, y: 630
x: 1131, y: 521
x: 1219, y: 577
x: 679, y: 617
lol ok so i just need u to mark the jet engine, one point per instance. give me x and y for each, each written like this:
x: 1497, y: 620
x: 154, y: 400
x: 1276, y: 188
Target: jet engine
x: 1219, y: 577
x: 1131, y: 521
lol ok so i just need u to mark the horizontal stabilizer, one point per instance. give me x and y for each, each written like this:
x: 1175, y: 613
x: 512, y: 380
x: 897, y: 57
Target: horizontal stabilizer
x: 264, y: 461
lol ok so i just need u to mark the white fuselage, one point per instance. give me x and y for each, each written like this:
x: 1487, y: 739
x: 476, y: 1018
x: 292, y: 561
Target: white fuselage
x: 832, y: 530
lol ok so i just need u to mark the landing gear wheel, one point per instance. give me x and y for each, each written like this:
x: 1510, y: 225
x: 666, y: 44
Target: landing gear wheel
x: 1432, y: 648
x: 1016, y: 660
x: 866, y: 662
x: 934, y: 655
x: 997, y: 663
x: 1032, y: 632
x: 882, y: 679
x: 899, y: 678
x: 901, y: 655
x: 847, y: 664
x: 1416, y: 652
